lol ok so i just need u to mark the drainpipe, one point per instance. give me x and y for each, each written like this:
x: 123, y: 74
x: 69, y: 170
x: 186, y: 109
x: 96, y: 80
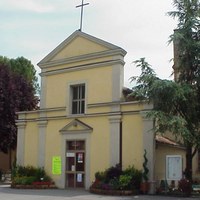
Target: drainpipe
x: 120, y: 145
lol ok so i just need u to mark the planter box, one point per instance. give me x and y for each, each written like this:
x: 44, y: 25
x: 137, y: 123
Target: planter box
x: 35, y: 185
x: 112, y: 192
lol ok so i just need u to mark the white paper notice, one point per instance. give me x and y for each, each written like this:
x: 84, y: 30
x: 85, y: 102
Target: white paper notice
x: 73, y: 168
x: 79, y: 178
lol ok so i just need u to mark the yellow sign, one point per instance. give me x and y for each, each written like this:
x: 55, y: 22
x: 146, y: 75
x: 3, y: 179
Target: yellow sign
x: 56, y: 165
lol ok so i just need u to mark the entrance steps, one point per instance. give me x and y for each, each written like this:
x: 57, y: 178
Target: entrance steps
x: 6, y: 177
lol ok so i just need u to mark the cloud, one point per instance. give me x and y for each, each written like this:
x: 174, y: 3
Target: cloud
x: 33, y: 28
x: 27, y: 5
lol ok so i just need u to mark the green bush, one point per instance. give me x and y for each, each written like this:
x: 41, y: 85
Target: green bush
x: 114, y: 183
x: 136, y: 176
x: 125, y: 182
x: 26, y: 171
x: 145, y: 168
x: 116, y: 179
x: 112, y: 172
x: 25, y: 175
x: 185, y: 186
x: 100, y: 176
x: 24, y: 180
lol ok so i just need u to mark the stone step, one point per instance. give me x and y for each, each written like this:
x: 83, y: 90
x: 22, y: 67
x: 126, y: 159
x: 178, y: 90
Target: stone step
x: 6, y: 177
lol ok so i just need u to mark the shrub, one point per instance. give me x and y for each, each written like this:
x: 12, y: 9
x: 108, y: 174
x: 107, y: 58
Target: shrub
x: 24, y: 180
x: 146, y: 170
x: 114, y: 184
x: 185, y: 186
x: 100, y: 176
x: 112, y: 172
x: 26, y: 175
x: 125, y: 182
x: 136, y: 176
x: 26, y: 171
x: 115, y: 179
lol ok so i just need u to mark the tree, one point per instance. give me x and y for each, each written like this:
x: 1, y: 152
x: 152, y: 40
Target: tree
x: 187, y: 39
x: 24, y: 67
x: 176, y: 104
x: 16, y: 94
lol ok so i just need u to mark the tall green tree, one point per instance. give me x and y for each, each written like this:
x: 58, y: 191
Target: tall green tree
x: 24, y: 67
x: 17, y: 93
x: 176, y: 104
x: 187, y: 40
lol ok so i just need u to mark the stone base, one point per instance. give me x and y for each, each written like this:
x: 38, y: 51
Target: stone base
x: 112, y: 192
x: 34, y: 186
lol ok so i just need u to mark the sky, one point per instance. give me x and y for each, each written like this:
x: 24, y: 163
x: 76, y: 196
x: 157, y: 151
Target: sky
x: 33, y: 28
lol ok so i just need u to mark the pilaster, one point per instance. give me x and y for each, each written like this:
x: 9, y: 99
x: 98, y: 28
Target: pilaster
x: 43, y: 92
x: 149, y: 145
x: 42, y: 142
x: 115, y: 139
x: 20, y: 142
x: 117, y: 82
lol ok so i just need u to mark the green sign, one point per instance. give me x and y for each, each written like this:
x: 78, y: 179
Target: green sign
x: 56, y: 165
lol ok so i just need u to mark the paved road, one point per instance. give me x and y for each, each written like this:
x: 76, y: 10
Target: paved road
x: 6, y: 193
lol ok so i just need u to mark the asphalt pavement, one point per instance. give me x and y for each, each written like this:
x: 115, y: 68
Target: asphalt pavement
x: 7, y: 193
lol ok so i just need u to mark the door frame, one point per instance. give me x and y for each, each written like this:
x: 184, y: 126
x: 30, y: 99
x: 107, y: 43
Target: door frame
x: 85, y: 135
x: 75, y: 172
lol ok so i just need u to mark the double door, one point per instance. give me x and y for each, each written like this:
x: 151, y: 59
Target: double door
x: 75, y: 163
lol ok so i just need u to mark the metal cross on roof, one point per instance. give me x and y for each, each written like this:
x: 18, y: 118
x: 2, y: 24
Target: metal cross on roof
x: 82, y: 5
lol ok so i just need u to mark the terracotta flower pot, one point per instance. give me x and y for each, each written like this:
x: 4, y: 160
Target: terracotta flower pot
x: 144, y: 187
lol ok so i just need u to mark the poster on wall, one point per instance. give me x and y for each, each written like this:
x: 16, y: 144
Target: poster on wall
x: 80, y: 157
x: 56, y: 165
x: 173, y: 167
x: 79, y: 178
x: 70, y: 155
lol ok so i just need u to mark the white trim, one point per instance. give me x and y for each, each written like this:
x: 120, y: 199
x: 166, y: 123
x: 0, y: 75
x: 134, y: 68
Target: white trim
x: 42, y: 142
x: 20, y: 142
x: 81, y: 67
x: 43, y: 92
x: 75, y: 136
x: 81, y: 58
x: 114, y: 139
x: 69, y: 97
x: 74, y: 35
x: 149, y: 146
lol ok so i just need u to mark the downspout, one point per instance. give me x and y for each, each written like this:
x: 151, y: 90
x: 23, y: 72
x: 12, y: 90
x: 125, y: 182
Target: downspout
x: 120, y: 145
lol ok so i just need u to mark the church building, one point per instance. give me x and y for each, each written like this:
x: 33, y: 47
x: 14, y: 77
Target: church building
x: 85, y: 124
x: 83, y: 119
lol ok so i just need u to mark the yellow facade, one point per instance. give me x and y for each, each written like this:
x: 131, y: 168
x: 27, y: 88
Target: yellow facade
x: 103, y: 121
x: 161, y: 152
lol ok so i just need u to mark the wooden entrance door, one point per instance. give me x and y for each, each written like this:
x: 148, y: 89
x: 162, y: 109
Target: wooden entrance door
x: 75, y: 163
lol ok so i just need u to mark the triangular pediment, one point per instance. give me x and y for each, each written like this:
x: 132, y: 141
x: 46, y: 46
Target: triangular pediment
x: 77, y: 45
x: 76, y: 126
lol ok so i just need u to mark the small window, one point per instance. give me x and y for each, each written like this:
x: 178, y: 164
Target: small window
x: 78, y: 99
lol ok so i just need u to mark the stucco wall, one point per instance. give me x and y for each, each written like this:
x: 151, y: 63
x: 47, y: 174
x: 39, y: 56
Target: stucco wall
x: 160, y: 164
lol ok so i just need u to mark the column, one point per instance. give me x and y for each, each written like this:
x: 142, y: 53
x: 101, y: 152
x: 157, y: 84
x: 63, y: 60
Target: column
x: 20, y: 142
x: 149, y: 145
x: 43, y: 92
x: 114, y: 139
x: 41, y: 143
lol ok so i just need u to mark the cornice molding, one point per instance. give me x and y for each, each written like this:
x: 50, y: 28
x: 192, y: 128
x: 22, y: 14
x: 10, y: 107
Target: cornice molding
x: 81, y: 58
x: 74, y: 35
x: 83, y: 67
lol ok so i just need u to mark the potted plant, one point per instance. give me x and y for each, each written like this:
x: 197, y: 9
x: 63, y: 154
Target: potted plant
x: 145, y: 184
